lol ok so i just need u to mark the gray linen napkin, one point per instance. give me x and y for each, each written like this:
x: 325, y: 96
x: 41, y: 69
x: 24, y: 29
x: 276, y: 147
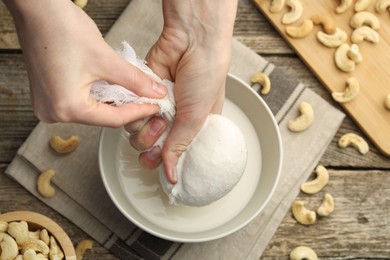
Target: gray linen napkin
x: 82, y: 198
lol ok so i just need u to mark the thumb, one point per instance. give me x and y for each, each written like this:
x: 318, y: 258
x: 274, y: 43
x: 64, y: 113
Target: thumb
x: 117, y: 70
x: 180, y: 136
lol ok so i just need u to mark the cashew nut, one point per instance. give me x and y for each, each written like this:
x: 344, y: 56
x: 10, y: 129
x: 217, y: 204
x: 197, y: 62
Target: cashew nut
x: 327, y: 206
x: 326, y: 22
x: 362, y: 5
x: 387, y: 102
x: 44, y: 184
x: 64, y: 146
x: 365, y: 18
x: 9, y: 248
x: 44, y: 236
x: 3, y: 226
x: 80, y: 3
x: 355, y: 140
x: 82, y: 246
x: 303, y: 215
x: 30, y: 254
x: 332, y: 40
x: 364, y: 33
x: 55, y: 251
x: 303, y: 253
x: 304, y: 120
x: 19, y: 231
x: 300, y: 31
x: 354, y: 54
x: 296, y: 10
x: 343, y: 62
x: 277, y: 6
x: 36, y: 245
x: 350, y: 92
x: 263, y: 80
x: 343, y: 6
x: 382, y: 5
x: 314, y: 186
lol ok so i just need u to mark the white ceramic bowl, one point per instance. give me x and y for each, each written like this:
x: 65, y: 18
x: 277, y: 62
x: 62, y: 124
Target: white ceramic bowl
x: 139, y: 196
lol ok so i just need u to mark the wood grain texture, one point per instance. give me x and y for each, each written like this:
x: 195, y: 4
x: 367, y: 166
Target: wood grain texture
x: 356, y: 230
x: 367, y: 109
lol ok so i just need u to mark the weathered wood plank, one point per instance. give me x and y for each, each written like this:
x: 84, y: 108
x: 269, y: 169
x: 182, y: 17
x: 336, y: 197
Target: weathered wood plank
x: 357, y: 229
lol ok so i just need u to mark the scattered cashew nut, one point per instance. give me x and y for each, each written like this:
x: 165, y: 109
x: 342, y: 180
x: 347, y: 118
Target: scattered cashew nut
x: 80, y: 3
x: 277, y: 6
x: 354, y: 54
x: 263, y: 80
x: 362, y: 5
x: 365, y: 18
x: 332, y: 40
x: 82, y: 246
x: 294, y: 14
x: 300, y: 31
x: 387, y: 102
x: 343, y: 6
x: 350, y: 93
x: 364, y: 33
x: 44, y: 184
x: 326, y: 22
x: 304, y: 120
x: 355, y: 140
x: 382, y: 5
x: 303, y: 253
x: 327, y: 206
x: 343, y: 62
x: 8, y: 246
x: 302, y: 214
x: 64, y: 146
x: 314, y: 186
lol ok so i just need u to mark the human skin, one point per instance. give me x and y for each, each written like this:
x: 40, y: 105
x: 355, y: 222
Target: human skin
x: 65, y: 53
x: 194, y: 51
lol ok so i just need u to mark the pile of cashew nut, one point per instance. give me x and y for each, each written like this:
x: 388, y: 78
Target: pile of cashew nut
x: 365, y: 25
x: 18, y: 242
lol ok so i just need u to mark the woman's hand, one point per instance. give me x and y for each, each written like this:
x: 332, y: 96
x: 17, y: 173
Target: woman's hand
x: 194, y: 51
x: 65, y: 53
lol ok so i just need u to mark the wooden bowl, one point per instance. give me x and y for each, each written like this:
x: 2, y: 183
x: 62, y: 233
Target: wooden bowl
x: 38, y: 221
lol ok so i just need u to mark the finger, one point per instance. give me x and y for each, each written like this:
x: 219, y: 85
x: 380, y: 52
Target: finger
x: 136, y: 126
x: 151, y: 159
x: 119, y: 71
x: 180, y: 136
x: 148, y: 134
x: 112, y: 116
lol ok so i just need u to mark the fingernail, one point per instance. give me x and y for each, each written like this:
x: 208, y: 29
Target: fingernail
x: 158, y: 88
x: 155, y: 153
x: 156, y: 127
x: 174, y: 175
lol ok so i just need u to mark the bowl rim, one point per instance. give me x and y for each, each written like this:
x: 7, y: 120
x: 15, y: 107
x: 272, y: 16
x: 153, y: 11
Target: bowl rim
x: 279, y: 149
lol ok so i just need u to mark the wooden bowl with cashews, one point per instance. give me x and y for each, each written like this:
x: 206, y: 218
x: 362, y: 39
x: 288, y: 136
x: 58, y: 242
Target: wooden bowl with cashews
x: 27, y: 234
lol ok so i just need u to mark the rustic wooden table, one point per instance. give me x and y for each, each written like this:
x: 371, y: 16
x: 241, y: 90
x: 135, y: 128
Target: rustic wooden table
x: 357, y: 229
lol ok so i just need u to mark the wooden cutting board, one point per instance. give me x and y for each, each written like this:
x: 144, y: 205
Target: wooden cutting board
x: 373, y: 72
